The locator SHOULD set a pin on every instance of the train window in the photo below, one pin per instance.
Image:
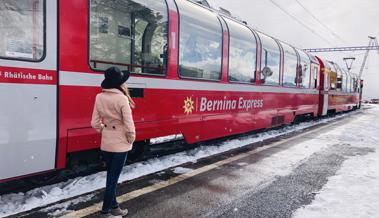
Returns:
(304, 69)
(130, 34)
(314, 72)
(242, 53)
(290, 66)
(22, 29)
(340, 87)
(349, 84)
(356, 84)
(200, 42)
(314, 80)
(344, 84)
(333, 79)
(339, 76)
(339, 82)
(270, 60)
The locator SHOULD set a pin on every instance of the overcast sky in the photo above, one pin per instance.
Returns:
(344, 23)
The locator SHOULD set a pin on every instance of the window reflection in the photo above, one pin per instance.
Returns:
(22, 29)
(270, 60)
(314, 80)
(242, 53)
(131, 34)
(304, 69)
(200, 43)
(290, 66)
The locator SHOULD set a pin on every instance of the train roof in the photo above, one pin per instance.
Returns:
(225, 13)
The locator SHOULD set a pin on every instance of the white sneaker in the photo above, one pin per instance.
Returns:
(108, 215)
(119, 212)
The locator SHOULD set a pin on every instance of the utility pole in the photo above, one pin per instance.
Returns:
(371, 43)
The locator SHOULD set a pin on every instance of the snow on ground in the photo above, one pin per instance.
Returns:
(181, 170)
(19, 202)
(62, 208)
(354, 190)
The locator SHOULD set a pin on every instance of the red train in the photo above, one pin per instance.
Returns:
(196, 72)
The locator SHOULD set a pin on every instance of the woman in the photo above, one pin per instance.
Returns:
(112, 117)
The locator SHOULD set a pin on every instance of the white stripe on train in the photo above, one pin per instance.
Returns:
(68, 78)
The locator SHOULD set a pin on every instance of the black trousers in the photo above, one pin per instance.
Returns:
(114, 163)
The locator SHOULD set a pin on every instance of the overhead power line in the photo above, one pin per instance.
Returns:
(320, 22)
(300, 22)
(352, 48)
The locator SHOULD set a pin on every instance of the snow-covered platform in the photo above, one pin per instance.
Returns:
(325, 168)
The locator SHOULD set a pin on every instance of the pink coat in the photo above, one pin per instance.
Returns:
(112, 117)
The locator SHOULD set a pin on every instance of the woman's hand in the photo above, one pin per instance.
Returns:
(131, 137)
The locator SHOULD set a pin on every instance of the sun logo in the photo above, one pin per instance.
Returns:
(188, 106)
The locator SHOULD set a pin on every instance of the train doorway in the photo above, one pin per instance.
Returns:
(28, 87)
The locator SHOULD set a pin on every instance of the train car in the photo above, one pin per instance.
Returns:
(196, 72)
(340, 90)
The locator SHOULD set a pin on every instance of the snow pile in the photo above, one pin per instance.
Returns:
(354, 190)
(166, 139)
(16, 203)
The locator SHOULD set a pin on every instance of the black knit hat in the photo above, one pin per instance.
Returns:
(114, 78)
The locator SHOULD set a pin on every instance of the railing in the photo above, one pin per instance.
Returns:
(95, 62)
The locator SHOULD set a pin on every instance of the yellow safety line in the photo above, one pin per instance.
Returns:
(134, 194)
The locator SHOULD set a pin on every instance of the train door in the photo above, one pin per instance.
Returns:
(28, 87)
(325, 94)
